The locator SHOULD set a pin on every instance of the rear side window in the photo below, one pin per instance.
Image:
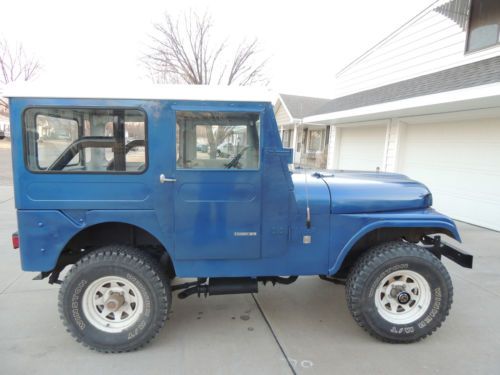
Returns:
(85, 140)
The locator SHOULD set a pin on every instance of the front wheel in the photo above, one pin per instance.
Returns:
(399, 292)
(115, 299)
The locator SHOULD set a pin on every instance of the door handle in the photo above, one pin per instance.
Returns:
(164, 179)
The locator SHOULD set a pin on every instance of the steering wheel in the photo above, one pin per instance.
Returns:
(235, 162)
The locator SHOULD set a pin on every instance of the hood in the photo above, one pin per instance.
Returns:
(312, 190)
(364, 192)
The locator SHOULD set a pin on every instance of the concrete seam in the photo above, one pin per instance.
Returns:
(274, 335)
(11, 283)
(6, 200)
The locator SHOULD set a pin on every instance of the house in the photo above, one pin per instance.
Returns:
(5, 123)
(425, 102)
(310, 143)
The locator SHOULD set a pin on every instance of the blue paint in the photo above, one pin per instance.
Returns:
(199, 218)
(375, 192)
(348, 229)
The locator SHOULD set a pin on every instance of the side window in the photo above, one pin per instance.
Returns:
(217, 140)
(286, 138)
(54, 135)
(85, 140)
(315, 140)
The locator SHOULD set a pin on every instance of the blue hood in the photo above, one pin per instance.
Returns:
(348, 192)
(357, 192)
(313, 190)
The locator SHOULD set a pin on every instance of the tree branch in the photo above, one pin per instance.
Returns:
(186, 51)
(15, 65)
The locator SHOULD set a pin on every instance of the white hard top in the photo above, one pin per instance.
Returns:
(139, 91)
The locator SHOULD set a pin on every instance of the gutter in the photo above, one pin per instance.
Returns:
(479, 97)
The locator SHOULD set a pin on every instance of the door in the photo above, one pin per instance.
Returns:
(218, 185)
(460, 163)
(362, 148)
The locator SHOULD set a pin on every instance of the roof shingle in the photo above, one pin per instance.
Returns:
(302, 106)
(475, 74)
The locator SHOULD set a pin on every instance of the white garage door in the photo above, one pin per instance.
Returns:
(361, 148)
(460, 163)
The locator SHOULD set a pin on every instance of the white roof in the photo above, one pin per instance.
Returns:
(172, 92)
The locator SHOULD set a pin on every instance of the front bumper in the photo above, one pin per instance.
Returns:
(440, 248)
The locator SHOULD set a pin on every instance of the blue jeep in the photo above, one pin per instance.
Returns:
(133, 191)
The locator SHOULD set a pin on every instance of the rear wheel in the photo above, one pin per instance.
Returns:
(115, 299)
(399, 292)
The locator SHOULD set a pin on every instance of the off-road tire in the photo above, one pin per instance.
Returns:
(387, 259)
(132, 265)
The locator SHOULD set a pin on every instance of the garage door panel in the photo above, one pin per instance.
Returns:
(362, 148)
(460, 163)
(459, 180)
(466, 155)
(462, 207)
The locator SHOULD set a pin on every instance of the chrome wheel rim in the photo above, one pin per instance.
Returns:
(402, 297)
(112, 304)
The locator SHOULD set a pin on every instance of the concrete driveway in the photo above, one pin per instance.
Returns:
(303, 328)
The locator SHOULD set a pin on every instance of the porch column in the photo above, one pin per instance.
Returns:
(294, 142)
(332, 148)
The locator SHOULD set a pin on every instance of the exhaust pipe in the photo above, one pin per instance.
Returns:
(222, 285)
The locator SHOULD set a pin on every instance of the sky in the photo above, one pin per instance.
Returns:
(102, 42)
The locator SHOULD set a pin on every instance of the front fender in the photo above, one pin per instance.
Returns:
(347, 230)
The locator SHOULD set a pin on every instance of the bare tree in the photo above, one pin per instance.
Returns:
(15, 65)
(185, 51)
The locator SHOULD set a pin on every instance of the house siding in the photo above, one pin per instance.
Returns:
(282, 117)
(433, 41)
(437, 144)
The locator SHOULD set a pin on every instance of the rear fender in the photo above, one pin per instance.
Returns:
(44, 234)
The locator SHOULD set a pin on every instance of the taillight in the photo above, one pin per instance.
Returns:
(15, 240)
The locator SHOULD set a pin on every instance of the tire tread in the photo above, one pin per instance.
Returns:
(145, 265)
(375, 257)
